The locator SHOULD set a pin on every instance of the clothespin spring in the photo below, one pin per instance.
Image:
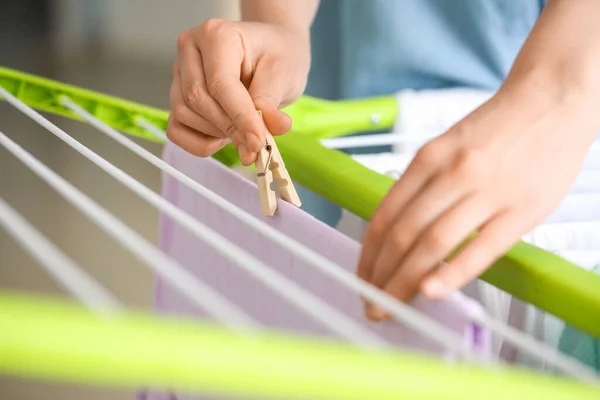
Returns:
(268, 164)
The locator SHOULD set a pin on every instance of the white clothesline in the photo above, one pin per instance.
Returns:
(70, 275)
(200, 294)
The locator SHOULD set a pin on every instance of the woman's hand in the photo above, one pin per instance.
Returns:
(500, 172)
(227, 70)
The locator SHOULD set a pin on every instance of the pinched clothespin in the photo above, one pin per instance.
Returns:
(273, 177)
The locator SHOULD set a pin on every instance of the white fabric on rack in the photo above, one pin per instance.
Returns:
(431, 112)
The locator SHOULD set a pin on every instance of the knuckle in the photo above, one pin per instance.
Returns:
(179, 112)
(455, 275)
(211, 26)
(182, 39)
(242, 116)
(203, 151)
(194, 94)
(216, 84)
(378, 226)
(427, 155)
(263, 99)
(229, 130)
(172, 133)
(467, 165)
(436, 240)
(401, 240)
(465, 159)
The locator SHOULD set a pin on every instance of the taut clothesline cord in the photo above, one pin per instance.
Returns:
(200, 294)
(287, 289)
(421, 323)
(71, 276)
(521, 340)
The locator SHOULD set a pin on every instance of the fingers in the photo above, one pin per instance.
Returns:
(225, 71)
(223, 53)
(196, 96)
(433, 200)
(195, 100)
(194, 90)
(189, 130)
(432, 247)
(193, 141)
(264, 90)
(428, 213)
(495, 239)
(192, 104)
(416, 176)
(184, 115)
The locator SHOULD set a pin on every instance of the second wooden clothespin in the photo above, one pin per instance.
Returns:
(273, 177)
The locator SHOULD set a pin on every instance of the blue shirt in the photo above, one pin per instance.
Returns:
(364, 48)
(373, 47)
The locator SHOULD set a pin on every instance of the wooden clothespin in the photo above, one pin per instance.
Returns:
(271, 175)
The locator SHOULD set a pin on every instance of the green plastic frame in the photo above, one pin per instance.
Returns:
(527, 272)
(50, 339)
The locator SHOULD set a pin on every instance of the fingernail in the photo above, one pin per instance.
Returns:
(375, 313)
(253, 143)
(369, 313)
(434, 288)
(243, 152)
(381, 314)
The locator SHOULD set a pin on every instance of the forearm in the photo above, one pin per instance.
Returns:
(560, 61)
(297, 14)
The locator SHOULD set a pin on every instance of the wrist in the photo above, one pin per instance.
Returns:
(293, 15)
(553, 93)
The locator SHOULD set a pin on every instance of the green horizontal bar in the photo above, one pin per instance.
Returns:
(120, 114)
(49, 339)
(527, 272)
(44, 95)
(326, 119)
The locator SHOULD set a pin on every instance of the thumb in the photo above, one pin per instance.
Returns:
(267, 99)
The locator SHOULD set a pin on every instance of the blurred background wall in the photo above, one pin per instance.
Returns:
(121, 47)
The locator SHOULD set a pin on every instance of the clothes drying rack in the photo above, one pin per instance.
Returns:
(103, 343)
